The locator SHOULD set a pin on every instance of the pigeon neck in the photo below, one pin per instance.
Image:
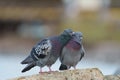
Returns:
(64, 39)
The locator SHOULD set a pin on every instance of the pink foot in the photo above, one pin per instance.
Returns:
(40, 70)
(50, 70)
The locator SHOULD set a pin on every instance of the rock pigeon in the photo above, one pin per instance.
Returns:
(47, 51)
(72, 53)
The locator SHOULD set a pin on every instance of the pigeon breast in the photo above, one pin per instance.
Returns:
(72, 45)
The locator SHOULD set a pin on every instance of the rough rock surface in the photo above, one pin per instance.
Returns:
(78, 74)
(112, 77)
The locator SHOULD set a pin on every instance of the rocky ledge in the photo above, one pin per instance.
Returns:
(78, 74)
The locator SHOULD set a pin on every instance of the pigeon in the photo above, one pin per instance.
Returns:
(47, 51)
(72, 53)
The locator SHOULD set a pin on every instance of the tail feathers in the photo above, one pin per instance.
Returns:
(28, 67)
(63, 67)
(27, 60)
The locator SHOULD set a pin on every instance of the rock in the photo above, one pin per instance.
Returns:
(78, 74)
(112, 77)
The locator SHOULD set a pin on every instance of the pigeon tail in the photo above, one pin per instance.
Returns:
(63, 67)
(27, 60)
(28, 67)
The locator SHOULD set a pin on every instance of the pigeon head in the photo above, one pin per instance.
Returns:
(78, 37)
(65, 36)
(68, 32)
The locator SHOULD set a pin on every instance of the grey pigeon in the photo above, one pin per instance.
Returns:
(47, 51)
(72, 53)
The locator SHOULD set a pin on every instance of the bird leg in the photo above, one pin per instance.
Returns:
(50, 70)
(40, 70)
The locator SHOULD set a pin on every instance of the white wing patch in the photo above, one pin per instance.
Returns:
(44, 48)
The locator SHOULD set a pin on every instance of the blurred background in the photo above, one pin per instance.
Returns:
(25, 22)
